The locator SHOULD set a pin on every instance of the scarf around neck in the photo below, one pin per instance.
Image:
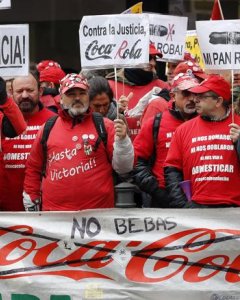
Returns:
(138, 76)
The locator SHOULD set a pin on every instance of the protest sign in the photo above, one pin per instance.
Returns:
(114, 40)
(168, 33)
(192, 46)
(5, 4)
(219, 42)
(120, 254)
(14, 50)
(135, 9)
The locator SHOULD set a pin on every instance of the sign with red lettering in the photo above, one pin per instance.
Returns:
(14, 50)
(114, 40)
(219, 42)
(108, 254)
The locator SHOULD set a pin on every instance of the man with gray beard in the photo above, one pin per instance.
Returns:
(79, 164)
(25, 93)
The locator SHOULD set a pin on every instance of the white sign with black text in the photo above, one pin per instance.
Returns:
(14, 50)
(5, 4)
(168, 33)
(219, 42)
(114, 40)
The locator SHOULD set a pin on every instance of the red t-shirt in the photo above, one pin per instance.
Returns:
(205, 153)
(14, 156)
(74, 179)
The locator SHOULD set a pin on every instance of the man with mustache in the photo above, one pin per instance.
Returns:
(25, 92)
(149, 175)
(79, 165)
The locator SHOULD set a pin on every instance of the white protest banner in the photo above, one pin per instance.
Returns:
(5, 4)
(121, 254)
(168, 33)
(114, 40)
(219, 42)
(14, 50)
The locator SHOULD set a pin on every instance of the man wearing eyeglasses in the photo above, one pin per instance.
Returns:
(150, 178)
(203, 151)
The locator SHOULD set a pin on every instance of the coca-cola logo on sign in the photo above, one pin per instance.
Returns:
(95, 51)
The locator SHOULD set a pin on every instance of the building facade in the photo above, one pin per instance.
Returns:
(54, 24)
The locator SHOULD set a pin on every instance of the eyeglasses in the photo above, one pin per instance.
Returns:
(202, 97)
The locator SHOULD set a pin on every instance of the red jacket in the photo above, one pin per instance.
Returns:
(15, 153)
(156, 106)
(138, 90)
(14, 115)
(138, 93)
(74, 180)
(144, 144)
(48, 101)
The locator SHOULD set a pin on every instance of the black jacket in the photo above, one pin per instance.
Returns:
(173, 177)
(142, 173)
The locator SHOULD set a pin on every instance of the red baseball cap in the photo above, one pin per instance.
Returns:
(47, 63)
(51, 74)
(71, 81)
(50, 71)
(184, 81)
(190, 66)
(216, 84)
(154, 51)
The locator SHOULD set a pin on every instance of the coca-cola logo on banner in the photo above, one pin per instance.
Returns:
(136, 252)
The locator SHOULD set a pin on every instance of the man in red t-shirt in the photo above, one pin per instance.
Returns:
(162, 103)
(151, 179)
(15, 151)
(203, 151)
(79, 164)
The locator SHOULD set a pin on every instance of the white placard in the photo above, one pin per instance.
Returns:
(4, 4)
(114, 40)
(220, 44)
(14, 50)
(168, 33)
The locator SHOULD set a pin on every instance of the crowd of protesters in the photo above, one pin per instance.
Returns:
(63, 136)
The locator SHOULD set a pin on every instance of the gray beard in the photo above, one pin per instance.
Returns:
(74, 112)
